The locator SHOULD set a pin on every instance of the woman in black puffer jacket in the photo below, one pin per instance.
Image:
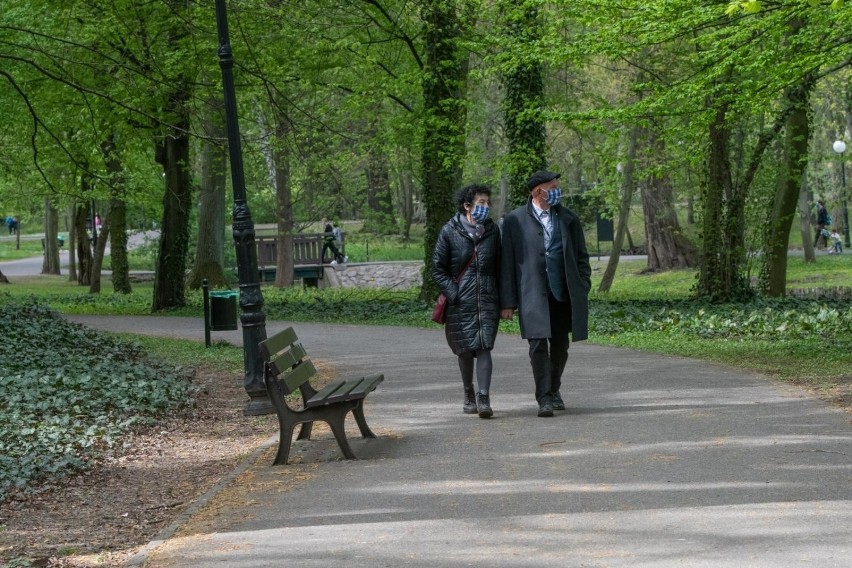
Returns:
(473, 310)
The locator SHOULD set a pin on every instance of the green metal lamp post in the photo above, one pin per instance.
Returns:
(252, 318)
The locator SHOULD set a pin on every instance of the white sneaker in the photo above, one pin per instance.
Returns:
(345, 259)
(333, 262)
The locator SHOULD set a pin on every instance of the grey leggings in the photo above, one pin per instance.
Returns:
(483, 369)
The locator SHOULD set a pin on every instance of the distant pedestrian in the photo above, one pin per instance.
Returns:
(823, 221)
(328, 243)
(466, 266)
(837, 247)
(546, 276)
(10, 223)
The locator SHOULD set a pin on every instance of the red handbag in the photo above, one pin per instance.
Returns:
(439, 312)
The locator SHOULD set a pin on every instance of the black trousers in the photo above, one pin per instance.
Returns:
(548, 356)
(331, 246)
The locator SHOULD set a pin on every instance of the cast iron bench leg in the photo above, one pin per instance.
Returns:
(336, 422)
(358, 413)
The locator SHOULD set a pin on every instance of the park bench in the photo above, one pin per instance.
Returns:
(307, 257)
(286, 370)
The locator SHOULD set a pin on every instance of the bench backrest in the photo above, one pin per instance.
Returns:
(284, 359)
(307, 249)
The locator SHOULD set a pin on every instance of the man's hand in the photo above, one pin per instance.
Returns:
(507, 313)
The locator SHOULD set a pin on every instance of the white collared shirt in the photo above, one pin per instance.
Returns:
(545, 217)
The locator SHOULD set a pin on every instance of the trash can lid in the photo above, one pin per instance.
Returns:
(224, 294)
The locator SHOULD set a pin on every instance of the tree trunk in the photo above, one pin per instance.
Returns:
(805, 225)
(51, 235)
(797, 136)
(666, 245)
(119, 263)
(444, 100)
(210, 248)
(715, 272)
(84, 242)
(525, 127)
(170, 281)
(627, 187)
(406, 201)
(172, 152)
(117, 216)
(72, 245)
(283, 201)
(100, 251)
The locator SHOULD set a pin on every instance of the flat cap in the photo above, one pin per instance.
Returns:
(539, 178)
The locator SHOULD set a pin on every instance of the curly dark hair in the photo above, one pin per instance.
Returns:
(467, 194)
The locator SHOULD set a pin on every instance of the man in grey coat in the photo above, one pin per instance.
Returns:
(546, 276)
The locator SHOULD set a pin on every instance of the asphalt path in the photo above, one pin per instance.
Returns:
(658, 461)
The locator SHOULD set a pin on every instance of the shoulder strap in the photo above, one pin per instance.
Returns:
(466, 266)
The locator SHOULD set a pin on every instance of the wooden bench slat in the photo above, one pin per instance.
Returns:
(367, 385)
(299, 375)
(352, 389)
(278, 342)
(288, 359)
(334, 392)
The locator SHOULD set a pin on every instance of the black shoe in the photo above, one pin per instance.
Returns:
(484, 406)
(469, 402)
(545, 409)
(557, 402)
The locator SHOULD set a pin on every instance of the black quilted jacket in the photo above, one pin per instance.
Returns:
(473, 309)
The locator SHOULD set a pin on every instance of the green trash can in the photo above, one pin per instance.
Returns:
(223, 311)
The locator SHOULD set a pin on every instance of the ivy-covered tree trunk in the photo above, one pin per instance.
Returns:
(445, 117)
(119, 263)
(51, 234)
(723, 252)
(169, 284)
(210, 248)
(525, 126)
(172, 152)
(797, 135)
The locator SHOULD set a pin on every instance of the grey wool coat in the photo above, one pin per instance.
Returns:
(473, 305)
(523, 281)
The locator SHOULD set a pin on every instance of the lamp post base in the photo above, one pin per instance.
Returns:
(258, 407)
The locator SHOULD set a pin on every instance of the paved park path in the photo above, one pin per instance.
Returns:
(658, 461)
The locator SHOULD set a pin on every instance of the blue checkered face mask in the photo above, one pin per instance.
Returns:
(553, 196)
(479, 213)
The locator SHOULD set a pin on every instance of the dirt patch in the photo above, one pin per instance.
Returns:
(106, 515)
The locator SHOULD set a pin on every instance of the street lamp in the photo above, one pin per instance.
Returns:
(252, 318)
(839, 146)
